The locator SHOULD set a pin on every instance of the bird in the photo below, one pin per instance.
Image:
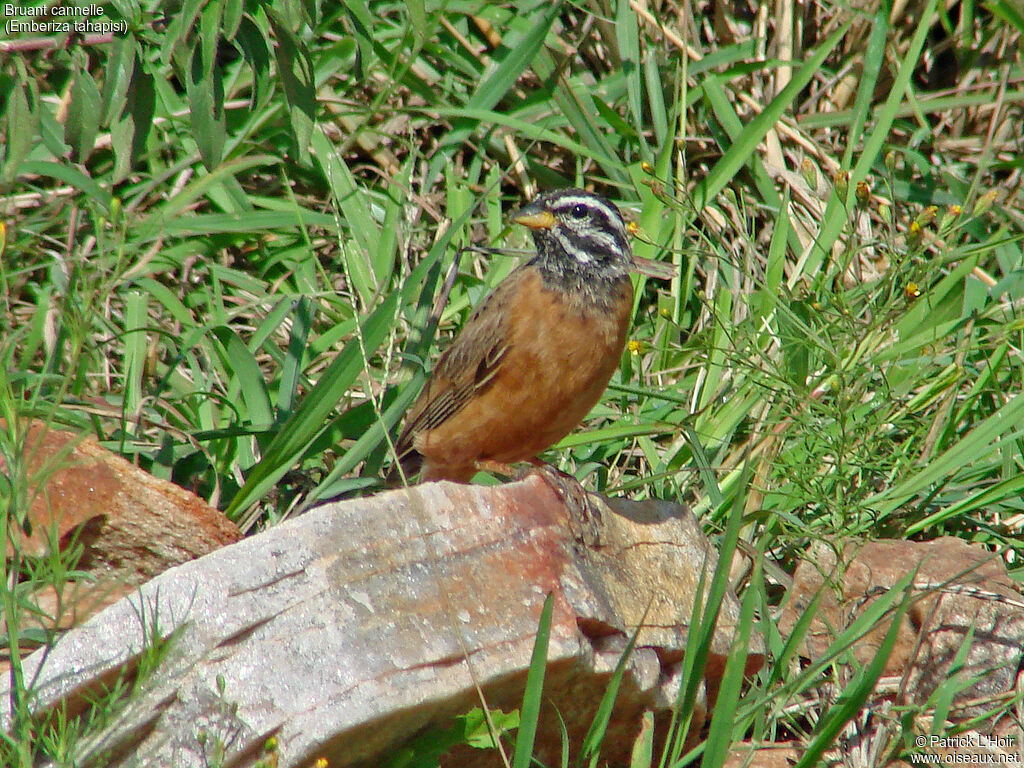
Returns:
(537, 353)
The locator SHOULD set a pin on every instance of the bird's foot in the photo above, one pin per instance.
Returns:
(584, 517)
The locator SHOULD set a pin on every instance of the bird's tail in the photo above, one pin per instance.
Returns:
(410, 462)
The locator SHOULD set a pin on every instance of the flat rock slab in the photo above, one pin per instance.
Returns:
(353, 628)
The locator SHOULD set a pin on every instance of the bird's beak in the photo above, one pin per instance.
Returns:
(658, 269)
(534, 217)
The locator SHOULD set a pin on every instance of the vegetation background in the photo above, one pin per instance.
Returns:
(225, 230)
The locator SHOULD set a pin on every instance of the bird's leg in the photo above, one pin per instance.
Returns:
(564, 484)
(495, 467)
(583, 516)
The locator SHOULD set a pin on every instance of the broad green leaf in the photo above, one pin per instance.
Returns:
(131, 128)
(256, 49)
(205, 89)
(127, 9)
(22, 119)
(83, 119)
(232, 18)
(119, 74)
(418, 19)
(296, 72)
(182, 25)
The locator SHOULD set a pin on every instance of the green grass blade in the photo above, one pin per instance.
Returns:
(704, 619)
(738, 154)
(986, 437)
(529, 715)
(520, 50)
(310, 418)
(69, 175)
(361, 226)
(723, 718)
(291, 368)
(591, 751)
(627, 34)
(136, 322)
(642, 754)
(371, 438)
(1010, 488)
(873, 58)
(852, 699)
(247, 376)
(835, 217)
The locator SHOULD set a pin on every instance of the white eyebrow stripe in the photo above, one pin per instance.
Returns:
(567, 201)
(612, 214)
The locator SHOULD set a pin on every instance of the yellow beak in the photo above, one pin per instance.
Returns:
(538, 220)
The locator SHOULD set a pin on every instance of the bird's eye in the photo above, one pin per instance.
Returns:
(578, 211)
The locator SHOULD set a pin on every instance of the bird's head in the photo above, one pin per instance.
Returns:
(582, 234)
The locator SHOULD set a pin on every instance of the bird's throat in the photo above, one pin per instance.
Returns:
(589, 290)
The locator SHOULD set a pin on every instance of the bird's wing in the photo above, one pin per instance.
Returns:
(466, 368)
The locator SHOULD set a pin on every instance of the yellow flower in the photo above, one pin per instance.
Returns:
(863, 193)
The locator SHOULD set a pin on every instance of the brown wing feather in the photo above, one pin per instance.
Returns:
(468, 366)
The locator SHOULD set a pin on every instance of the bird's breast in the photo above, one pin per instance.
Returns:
(560, 349)
(563, 350)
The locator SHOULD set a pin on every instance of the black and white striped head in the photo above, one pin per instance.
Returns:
(578, 235)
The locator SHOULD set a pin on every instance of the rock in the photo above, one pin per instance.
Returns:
(350, 630)
(783, 754)
(131, 526)
(958, 588)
